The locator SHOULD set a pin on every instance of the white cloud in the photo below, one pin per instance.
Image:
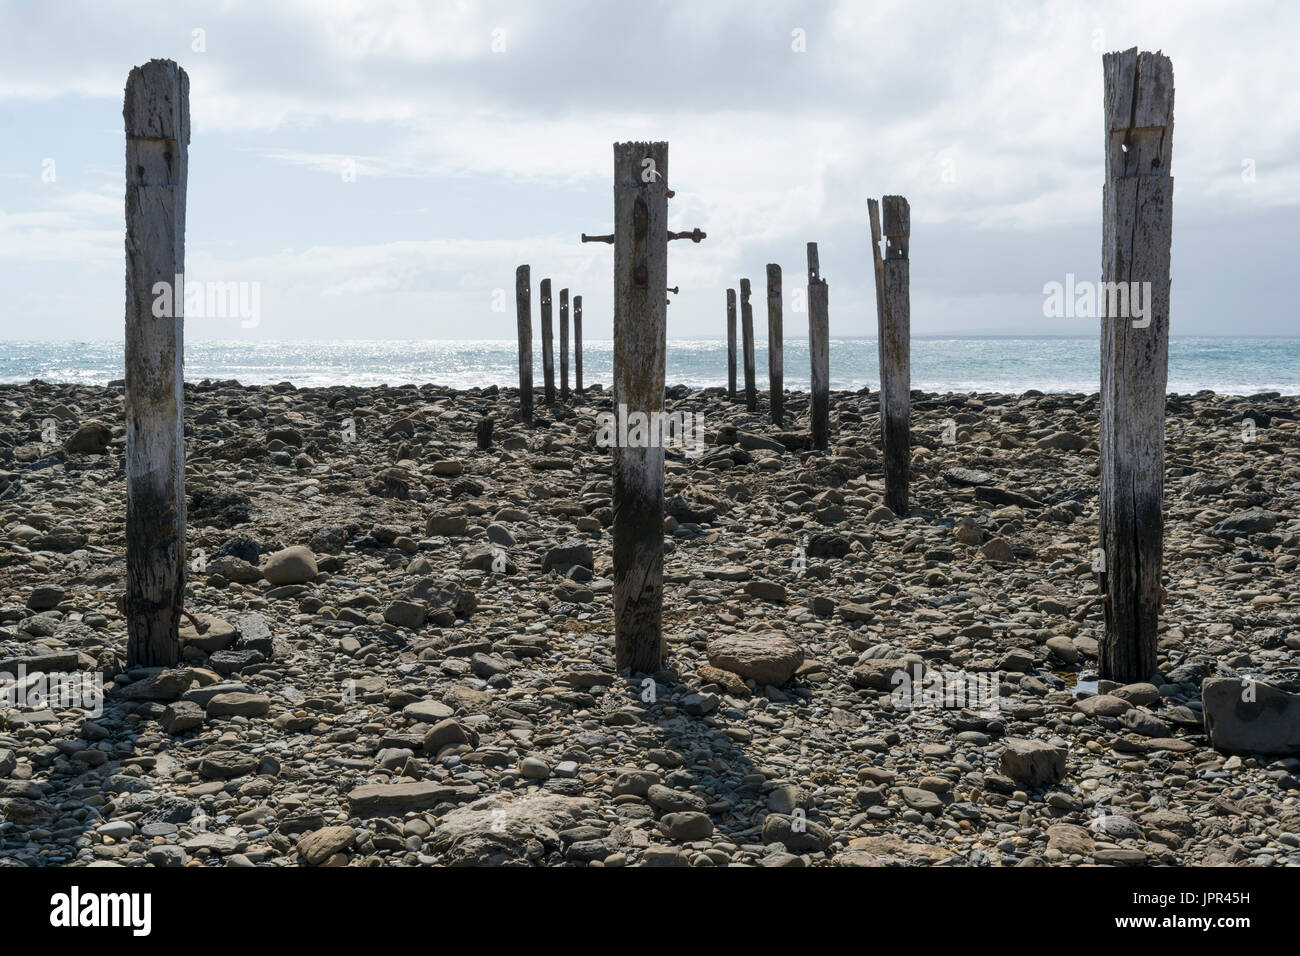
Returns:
(987, 116)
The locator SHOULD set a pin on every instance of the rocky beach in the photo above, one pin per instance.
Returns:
(402, 646)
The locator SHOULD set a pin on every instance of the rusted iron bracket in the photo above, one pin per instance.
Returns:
(640, 223)
(695, 235)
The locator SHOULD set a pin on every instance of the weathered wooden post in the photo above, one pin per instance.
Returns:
(548, 346)
(156, 112)
(894, 326)
(640, 240)
(819, 351)
(1137, 228)
(640, 323)
(577, 344)
(775, 345)
(731, 345)
(747, 335)
(564, 344)
(524, 322)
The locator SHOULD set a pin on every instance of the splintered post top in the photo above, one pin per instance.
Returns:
(157, 102)
(898, 216)
(648, 160)
(896, 225)
(1139, 107)
(814, 265)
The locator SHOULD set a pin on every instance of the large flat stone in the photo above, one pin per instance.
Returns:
(1250, 717)
(1032, 762)
(767, 657)
(219, 636)
(499, 829)
(239, 704)
(395, 799)
(317, 847)
(201, 695)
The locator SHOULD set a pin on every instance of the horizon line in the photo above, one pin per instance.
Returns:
(973, 336)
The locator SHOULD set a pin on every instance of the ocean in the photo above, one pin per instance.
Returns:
(1229, 366)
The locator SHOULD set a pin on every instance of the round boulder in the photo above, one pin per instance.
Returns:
(293, 565)
(92, 438)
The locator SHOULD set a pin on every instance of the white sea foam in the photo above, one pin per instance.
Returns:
(1008, 365)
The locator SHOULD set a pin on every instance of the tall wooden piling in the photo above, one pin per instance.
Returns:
(819, 350)
(1137, 227)
(577, 344)
(640, 318)
(156, 112)
(731, 345)
(548, 346)
(747, 335)
(775, 345)
(895, 346)
(524, 323)
(564, 344)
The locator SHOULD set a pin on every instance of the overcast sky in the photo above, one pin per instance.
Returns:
(480, 135)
